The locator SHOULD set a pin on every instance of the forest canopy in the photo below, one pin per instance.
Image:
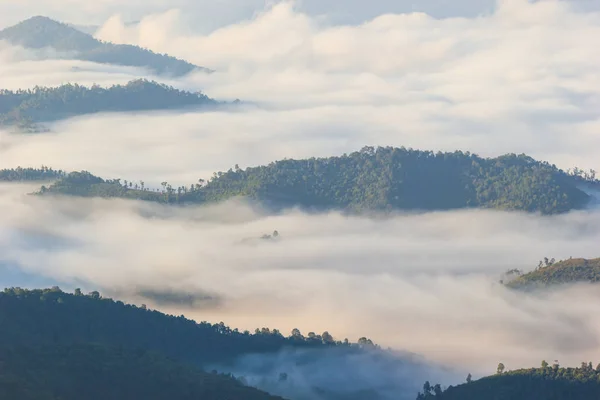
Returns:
(26, 107)
(372, 179)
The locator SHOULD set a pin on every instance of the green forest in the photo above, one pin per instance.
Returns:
(545, 383)
(30, 174)
(26, 107)
(96, 372)
(550, 273)
(55, 344)
(372, 179)
(41, 32)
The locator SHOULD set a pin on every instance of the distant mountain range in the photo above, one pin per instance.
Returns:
(42, 32)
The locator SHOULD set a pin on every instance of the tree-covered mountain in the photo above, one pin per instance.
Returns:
(549, 273)
(42, 32)
(546, 383)
(54, 317)
(382, 179)
(95, 372)
(61, 332)
(26, 107)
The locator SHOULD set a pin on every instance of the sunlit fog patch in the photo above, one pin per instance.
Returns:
(427, 283)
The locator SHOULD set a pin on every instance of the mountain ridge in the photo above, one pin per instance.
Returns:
(40, 32)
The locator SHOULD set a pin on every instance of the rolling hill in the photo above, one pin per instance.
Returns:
(382, 179)
(25, 108)
(42, 32)
(575, 270)
(546, 383)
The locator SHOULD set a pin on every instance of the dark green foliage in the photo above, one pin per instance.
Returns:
(550, 383)
(95, 372)
(53, 317)
(40, 32)
(30, 174)
(555, 273)
(47, 104)
(382, 179)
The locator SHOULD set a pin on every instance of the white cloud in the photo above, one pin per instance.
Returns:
(426, 283)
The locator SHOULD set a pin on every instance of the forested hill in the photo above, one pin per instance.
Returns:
(381, 179)
(54, 317)
(547, 383)
(95, 372)
(551, 273)
(23, 107)
(41, 32)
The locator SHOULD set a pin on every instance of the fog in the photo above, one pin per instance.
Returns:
(520, 79)
(426, 283)
(321, 79)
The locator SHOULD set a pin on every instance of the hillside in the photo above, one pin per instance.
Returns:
(57, 322)
(563, 272)
(548, 383)
(382, 179)
(64, 319)
(41, 32)
(26, 107)
(94, 372)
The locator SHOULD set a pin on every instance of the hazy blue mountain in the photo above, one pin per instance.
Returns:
(42, 32)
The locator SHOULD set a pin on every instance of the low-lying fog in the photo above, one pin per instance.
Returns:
(425, 283)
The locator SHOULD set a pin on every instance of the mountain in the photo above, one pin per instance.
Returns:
(42, 32)
(546, 383)
(95, 372)
(574, 270)
(382, 179)
(47, 336)
(26, 107)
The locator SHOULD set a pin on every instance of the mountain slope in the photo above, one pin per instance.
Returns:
(41, 32)
(549, 383)
(382, 179)
(94, 372)
(53, 317)
(27, 107)
(574, 270)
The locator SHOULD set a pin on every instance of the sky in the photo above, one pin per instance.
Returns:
(321, 79)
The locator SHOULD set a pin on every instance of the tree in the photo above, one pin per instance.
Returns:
(544, 364)
(78, 292)
(437, 389)
(500, 368)
(427, 387)
(469, 378)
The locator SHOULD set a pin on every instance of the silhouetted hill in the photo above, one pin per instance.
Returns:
(574, 270)
(549, 383)
(30, 174)
(95, 372)
(382, 179)
(54, 317)
(41, 32)
(27, 107)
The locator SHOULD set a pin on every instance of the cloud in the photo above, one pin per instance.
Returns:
(519, 80)
(426, 283)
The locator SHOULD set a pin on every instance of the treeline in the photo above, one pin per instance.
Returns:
(545, 383)
(42, 32)
(550, 272)
(372, 179)
(23, 107)
(62, 318)
(30, 174)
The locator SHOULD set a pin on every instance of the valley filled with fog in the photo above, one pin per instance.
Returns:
(318, 79)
